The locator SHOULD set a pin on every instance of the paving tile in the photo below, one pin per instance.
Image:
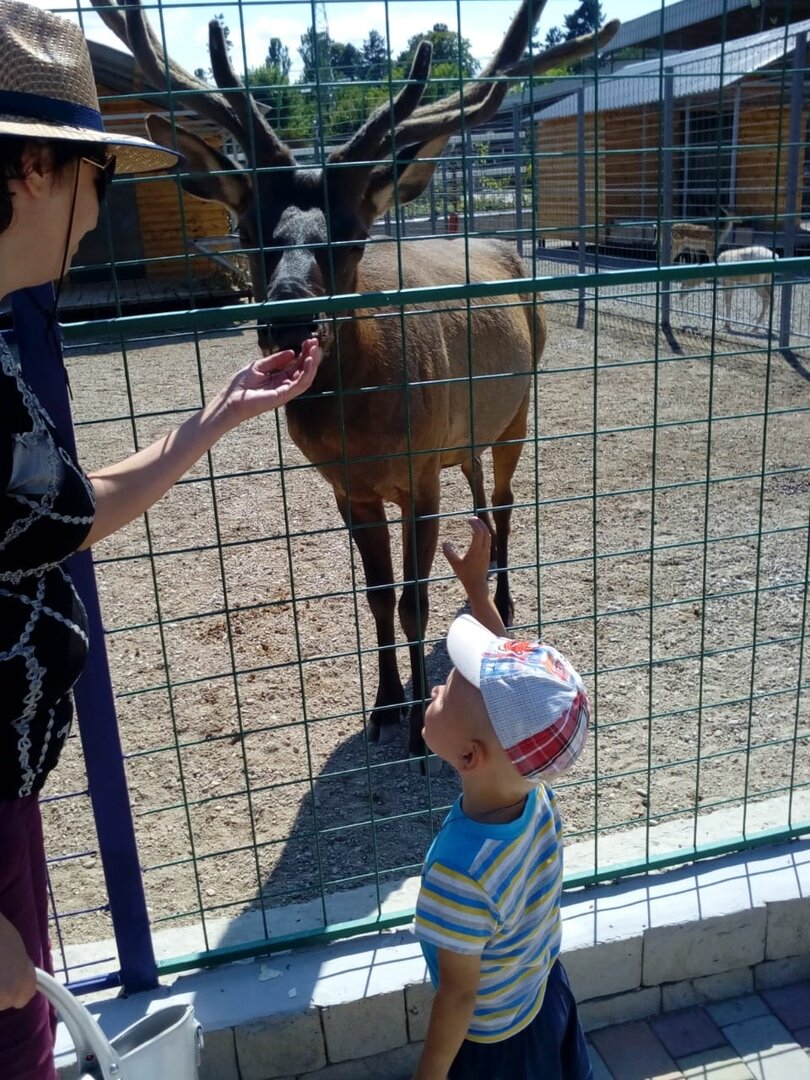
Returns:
(600, 1069)
(721, 1063)
(688, 1031)
(768, 1049)
(736, 1010)
(632, 1052)
(791, 1004)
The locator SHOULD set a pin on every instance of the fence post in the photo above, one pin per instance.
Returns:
(518, 178)
(665, 230)
(792, 186)
(581, 199)
(42, 364)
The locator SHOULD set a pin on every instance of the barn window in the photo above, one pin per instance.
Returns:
(705, 168)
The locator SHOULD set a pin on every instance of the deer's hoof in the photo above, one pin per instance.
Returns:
(387, 733)
(419, 765)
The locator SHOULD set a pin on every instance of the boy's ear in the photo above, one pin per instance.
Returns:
(473, 757)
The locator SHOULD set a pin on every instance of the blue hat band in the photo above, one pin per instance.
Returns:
(38, 107)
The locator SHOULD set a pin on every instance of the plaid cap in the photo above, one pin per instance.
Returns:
(536, 701)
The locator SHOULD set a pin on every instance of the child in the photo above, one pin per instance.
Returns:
(488, 915)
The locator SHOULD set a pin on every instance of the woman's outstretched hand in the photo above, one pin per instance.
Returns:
(271, 382)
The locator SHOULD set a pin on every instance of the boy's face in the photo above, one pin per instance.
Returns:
(453, 718)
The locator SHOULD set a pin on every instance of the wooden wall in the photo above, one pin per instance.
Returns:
(629, 171)
(762, 169)
(159, 201)
(557, 166)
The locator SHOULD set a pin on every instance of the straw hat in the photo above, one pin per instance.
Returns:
(47, 89)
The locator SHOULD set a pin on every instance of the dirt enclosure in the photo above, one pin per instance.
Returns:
(242, 660)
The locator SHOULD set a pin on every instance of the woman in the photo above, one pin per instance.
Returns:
(55, 162)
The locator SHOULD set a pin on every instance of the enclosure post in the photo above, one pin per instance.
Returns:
(792, 186)
(433, 214)
(469, 168)
(735, 139)
(581, 201)
(687, 142)
(518, 178)
(42, 364)
(665, 222)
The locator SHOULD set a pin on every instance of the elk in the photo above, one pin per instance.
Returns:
(690, 236)
(400, 396)
(762, 282)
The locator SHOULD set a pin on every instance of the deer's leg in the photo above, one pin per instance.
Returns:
(420, 528)
(474, 474)
(505, 456)
(369, 530)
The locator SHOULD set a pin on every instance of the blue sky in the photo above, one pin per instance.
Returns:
(482, 21)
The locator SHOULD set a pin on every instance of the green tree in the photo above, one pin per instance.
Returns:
(315, 53)
(374, 53)
(278, 58)
(586, 19)
(555, 36)
(448, 48)
(347, 61)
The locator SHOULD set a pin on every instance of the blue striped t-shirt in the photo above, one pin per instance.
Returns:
(495, 890)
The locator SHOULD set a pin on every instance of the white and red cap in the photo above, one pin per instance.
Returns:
(536, 701)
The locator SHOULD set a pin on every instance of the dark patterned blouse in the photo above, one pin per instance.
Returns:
(46, 510)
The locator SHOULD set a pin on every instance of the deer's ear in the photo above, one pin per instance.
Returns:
(231, 187)
(405, 181)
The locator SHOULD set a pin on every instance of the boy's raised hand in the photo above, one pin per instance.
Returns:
(472, 567)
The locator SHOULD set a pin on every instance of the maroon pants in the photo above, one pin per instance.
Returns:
(27, 1034)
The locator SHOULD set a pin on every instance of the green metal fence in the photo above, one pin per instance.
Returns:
(661, 528)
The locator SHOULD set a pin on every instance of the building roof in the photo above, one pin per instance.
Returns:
(701, 71)
(694, 24)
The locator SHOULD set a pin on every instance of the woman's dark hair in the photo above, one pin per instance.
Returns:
(61, 154)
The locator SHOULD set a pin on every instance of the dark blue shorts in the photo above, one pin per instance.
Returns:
(552, 1047)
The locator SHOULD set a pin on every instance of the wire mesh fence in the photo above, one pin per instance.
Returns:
(660, 532)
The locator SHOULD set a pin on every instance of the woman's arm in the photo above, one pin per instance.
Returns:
(125, 491)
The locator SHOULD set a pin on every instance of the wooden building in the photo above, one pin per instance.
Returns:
(731, 113)
(151, 228)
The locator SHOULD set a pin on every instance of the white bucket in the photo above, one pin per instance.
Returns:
(164, 1044)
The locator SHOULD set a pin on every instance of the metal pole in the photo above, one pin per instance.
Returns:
(792, 186)
(687, 142)
(735, 140)
(668, 135)
(470, 170)
(518, 159)
(582, 209)
(43, 367)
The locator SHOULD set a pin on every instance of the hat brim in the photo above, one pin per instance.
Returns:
(133, 154)
(467, 643)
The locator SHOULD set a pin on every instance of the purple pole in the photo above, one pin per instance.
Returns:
(42, 364)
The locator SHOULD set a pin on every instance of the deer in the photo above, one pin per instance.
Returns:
(398, 397)
(690, 236)
(762, 282)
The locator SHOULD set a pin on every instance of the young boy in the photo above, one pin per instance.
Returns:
(511, 714)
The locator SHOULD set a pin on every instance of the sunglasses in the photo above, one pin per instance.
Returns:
(106, 171)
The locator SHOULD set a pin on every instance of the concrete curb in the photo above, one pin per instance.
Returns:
(358, 1009)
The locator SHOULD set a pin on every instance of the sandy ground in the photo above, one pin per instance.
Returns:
(241, 711)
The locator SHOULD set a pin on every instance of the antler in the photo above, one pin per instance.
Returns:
(480, 100)
(237, 113)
